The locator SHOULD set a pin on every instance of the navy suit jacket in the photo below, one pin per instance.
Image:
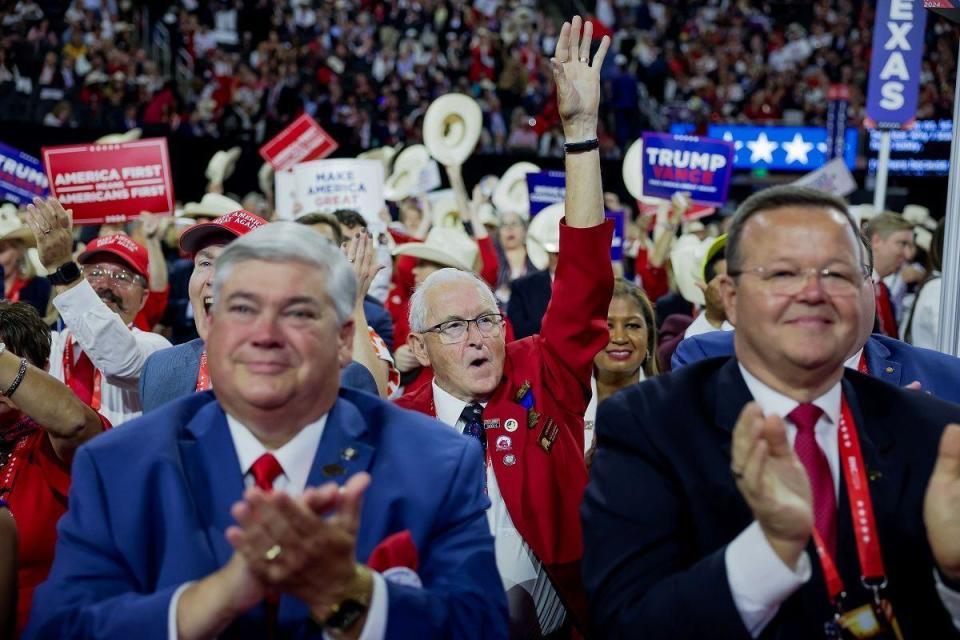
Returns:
(171, 373)
(662, 506)
(529, 297)
(150, 503)
(888, 359)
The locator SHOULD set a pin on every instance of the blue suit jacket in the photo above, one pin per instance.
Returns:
(171, 373)
(662, 506)
(150, 503)
(888, 359)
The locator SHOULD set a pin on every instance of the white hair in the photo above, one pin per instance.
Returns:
(418, 302)
(292, 242)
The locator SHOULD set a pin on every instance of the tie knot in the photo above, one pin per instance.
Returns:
(805, 416)
(265, 470)
(473, 412)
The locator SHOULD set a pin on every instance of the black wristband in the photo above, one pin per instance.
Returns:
(580, 147)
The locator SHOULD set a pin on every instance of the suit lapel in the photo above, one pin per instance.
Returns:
(729, 397)
(879, 362)
(213, 473)
(343, 449)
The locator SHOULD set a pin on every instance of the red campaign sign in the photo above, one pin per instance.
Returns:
(303, 140)
(106, 183)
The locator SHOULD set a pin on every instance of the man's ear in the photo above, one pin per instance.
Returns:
(728, 293)
(143, 301)
(419, 348)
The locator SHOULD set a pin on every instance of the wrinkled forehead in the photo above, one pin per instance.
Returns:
(457, 300)
(800, 234)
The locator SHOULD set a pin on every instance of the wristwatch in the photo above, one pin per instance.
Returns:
(355, 603)
(67, 273)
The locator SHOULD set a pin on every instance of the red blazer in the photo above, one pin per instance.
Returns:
(543, 488)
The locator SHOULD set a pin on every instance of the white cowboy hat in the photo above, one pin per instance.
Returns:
(407, 167)
(863, 212)
(444, 209)
(451, 128)
(446, 246)
(222, 164)
(383, 154)
(543, 235)
(13, 228)
(116, 138)
(923, 238)
(687, 256)
(919, 216)
(511, 193)
(212, 205)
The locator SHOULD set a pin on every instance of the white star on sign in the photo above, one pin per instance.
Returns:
(762, 149)
(797, 150)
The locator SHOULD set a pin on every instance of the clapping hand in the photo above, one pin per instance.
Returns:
(53, 228)
(578, 81)
(941, 507)
(773, 481)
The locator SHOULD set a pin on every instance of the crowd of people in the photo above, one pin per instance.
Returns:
(472, 424)
(369, 72)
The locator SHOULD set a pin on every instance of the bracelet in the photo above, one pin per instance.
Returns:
(580, 147)
(16, 381)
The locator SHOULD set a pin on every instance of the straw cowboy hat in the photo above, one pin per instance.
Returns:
(863, 212)
(511, 193)
(687, 257)
(446, 246)
(13, 228)
(384, 154)
(116, 138)
(407, 167)
(451, 128)
(222, 164)
(543, 235)
(212, 205)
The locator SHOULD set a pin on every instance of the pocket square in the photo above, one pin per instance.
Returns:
(396, 558)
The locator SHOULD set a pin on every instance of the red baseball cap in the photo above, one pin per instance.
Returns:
(236, 224)
(122, 246)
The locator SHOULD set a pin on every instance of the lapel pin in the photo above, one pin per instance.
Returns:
(509, 460)
(492, 423)
(504, 443)
(548, 435)
(332, 470)
(889, 369)
(532, 418)
(872, 476)
(523, 390)
(510, 425)
(349, 453)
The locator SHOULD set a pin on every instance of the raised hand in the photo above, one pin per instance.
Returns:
(941, 507)
(773, 481)
(363, 258)
(53, 229)
(578, 81)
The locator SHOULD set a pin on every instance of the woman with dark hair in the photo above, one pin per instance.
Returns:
(511, 253)
(923, 327)
(630, 355)
(42, 423)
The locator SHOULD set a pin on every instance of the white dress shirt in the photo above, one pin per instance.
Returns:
(118, 352)
(759, 580)
(295, 458)
(516, 562)
(701, 325)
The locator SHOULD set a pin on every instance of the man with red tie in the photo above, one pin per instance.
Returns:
(775, 494)
(100, 354)
(891, 238)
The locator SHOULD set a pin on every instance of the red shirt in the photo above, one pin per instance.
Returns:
(152, 312)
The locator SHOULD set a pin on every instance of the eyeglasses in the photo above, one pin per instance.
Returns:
(789, 282)
(120, 277)
(454, 331)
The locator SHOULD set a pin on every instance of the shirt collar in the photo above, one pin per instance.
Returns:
(447, 406)
(295, 457)
(774, 402)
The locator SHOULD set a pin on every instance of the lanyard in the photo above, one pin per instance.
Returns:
(203, 376)
(873, 574)
(68, 374)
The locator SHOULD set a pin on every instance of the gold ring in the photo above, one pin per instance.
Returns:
(273, 553)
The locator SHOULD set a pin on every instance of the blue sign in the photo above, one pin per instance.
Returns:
(619, 233)
(895, 65)
(21, 176)
(800, 149)
(700, 166)
(545, 188)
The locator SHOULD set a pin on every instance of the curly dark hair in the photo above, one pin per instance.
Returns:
(24, 332)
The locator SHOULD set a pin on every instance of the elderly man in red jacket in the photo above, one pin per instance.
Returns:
(524, 401)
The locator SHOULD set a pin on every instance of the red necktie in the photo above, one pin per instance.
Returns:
(81, 378)
(888, 324)
(265, 470)
(805, 417)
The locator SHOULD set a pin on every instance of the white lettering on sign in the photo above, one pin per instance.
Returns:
(895, 73)
(686, 159)
(22, 171)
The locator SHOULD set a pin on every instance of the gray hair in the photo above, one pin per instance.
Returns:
(291, 242)
(418, 302)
